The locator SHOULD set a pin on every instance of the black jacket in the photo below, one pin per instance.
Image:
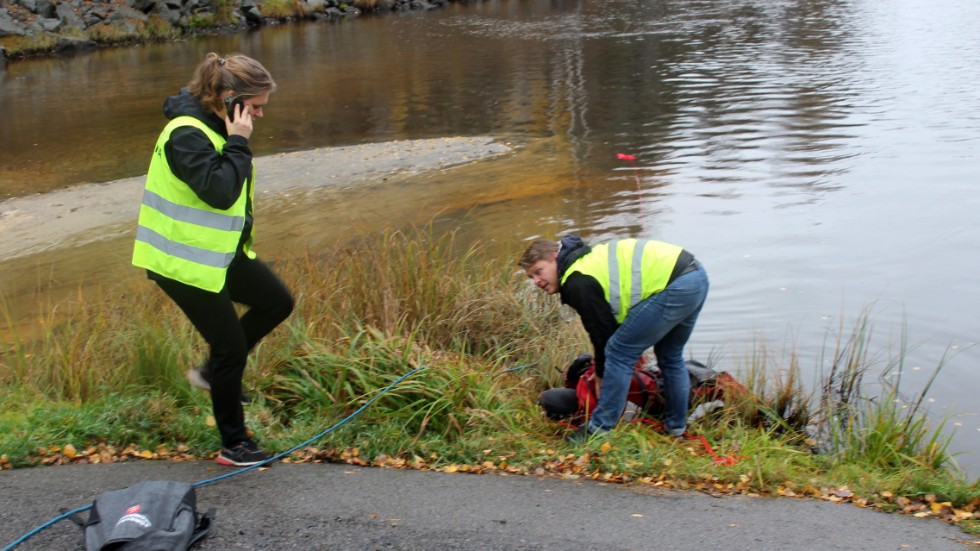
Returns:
(584, 294)
(216, 178)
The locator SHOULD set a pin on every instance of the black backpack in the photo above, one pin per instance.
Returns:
(576, 369)
(156, 515)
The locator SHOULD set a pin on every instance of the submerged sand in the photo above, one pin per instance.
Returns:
(89, 212)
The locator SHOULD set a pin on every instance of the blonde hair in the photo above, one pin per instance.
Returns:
(243, 75)
(540, 249)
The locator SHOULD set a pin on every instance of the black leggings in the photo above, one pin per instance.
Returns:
(249, 282)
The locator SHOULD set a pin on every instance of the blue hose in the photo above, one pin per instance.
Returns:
(335, 426)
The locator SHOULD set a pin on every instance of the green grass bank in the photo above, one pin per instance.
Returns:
(105, 383)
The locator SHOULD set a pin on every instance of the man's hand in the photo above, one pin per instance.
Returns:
(597, 382)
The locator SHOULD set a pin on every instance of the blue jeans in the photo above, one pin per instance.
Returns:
(664, 321)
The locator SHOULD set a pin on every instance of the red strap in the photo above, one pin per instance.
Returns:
(729, 459)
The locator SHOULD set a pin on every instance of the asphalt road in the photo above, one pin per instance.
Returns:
(339, 507)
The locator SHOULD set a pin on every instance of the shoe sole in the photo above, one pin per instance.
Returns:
(194, 378)
(222, 460)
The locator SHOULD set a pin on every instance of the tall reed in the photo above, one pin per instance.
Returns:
(876, 425)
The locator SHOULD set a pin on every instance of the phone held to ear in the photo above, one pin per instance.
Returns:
(230, 103)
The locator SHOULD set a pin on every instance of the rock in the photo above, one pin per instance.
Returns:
(252, 15)
(68, 16)
(128, 26)
(46, 24)
(167, 14)
(94, 15)
(45, 8)
(9, 27)
(127, 13)
(30, 5)
(145, 6)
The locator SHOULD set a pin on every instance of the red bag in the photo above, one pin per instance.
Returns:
(644, 390)
(706, 385)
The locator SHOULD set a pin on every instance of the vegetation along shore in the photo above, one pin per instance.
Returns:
(46, 27)
(105, 383)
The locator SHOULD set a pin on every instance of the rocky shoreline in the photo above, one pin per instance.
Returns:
(57, 27)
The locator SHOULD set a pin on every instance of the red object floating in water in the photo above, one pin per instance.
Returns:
(625, 157)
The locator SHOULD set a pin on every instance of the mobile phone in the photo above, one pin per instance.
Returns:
(230, 103)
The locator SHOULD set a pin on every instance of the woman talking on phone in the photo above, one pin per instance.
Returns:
(194, 236)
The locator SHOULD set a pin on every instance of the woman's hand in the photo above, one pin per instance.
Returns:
(242, 125)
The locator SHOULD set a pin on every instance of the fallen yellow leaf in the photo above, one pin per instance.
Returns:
(962, 515)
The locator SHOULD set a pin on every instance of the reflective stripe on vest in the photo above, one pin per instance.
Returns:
(191, 215)
(187, 252)
(635, 280)
(181, 237)
(628, 270)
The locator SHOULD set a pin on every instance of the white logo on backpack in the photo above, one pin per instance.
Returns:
(137, 518)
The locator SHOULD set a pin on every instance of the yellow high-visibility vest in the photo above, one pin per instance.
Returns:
(628, 270)
(181, 237)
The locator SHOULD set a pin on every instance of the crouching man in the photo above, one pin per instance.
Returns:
(631, 294)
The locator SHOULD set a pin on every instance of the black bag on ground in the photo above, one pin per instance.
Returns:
(156, 515)
(576, 369)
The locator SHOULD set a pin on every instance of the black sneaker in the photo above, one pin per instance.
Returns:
(242, 454)
(201, 378)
